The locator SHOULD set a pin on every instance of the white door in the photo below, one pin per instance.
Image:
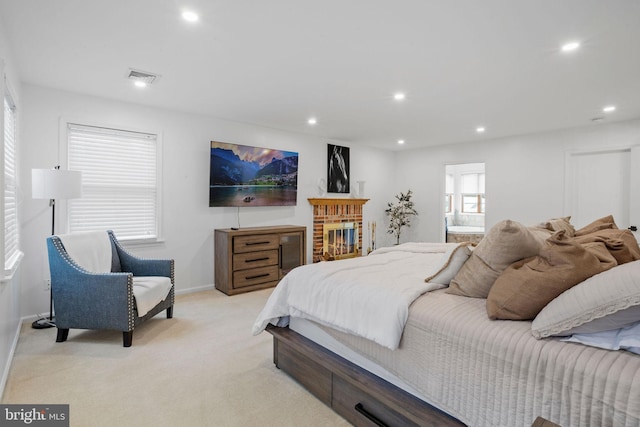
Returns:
(603, 182)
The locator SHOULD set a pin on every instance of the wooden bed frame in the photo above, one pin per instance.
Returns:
(359, 396)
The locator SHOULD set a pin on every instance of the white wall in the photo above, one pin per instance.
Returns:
(9, 290)
(524, 174)
(188, 222)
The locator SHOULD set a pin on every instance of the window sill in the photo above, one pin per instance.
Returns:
(10, 272)
(142, 242)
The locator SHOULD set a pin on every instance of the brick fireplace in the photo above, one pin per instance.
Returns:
(339, 220)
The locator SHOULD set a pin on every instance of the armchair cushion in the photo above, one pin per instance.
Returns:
(149, 291)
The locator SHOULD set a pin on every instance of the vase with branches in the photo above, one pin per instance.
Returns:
(400, 213)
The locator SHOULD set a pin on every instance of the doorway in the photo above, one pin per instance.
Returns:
(464, 202)
(603, 182)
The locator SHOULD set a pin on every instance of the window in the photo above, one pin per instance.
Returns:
(473, 200)
(11, 224)
(120, 172)
(448, 203)
(473, 203)
(448, 193)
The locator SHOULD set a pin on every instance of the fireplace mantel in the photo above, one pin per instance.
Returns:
(329, 201)
(327, 210)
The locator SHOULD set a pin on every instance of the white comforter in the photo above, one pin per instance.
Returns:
(365, 296)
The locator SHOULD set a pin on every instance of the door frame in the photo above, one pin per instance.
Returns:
(634, 185)
(443, 189)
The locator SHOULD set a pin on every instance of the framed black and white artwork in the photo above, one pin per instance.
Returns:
(337, 169)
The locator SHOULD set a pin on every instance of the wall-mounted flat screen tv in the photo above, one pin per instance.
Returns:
(242, 175)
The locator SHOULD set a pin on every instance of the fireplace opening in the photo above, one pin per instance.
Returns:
(340, 240)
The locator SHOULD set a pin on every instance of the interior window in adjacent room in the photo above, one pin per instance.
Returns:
(449, 192)
(120, 176)
(473, 200)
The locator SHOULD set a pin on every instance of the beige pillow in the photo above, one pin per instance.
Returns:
(599, 224)
(560, 224)
(526, 286)
(606, 301)
(506, 242)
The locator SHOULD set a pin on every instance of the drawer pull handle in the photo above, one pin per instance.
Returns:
(257, 243)
(257, 259)
(256, 277)
(360, 408)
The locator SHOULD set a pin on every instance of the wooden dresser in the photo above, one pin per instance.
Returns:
(255, 258)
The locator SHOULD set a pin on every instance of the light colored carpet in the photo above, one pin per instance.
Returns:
(201, 368)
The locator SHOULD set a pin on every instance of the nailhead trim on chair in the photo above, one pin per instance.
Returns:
(131, 304)
(63, 252)
(173, 294)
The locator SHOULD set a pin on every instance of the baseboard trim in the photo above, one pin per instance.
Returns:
(7, 367)
(194, 290)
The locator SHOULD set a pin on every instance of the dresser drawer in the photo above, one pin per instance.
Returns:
(242, 244)
(361, 409)
(255, 276)
(255, 259)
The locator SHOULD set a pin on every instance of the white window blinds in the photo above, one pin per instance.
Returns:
(119, 181)
(11, 228)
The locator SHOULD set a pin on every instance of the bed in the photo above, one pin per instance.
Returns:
(467, 353)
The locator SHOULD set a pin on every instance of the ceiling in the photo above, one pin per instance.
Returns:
(276, 63)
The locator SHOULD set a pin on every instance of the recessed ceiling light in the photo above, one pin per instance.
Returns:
(190, 16)
(399, 96)
(571, 46)
(480, 129)
(401, 141)
(312, 121)
(609, 108)
(140, 83)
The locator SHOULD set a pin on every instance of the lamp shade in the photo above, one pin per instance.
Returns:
(55, 184)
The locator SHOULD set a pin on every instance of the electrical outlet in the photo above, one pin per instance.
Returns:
(47, 284)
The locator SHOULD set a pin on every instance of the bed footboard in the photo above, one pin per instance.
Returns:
(360, 397)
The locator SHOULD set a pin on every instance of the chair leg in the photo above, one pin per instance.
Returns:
(170, 312)
(127, 338)
(63, 334)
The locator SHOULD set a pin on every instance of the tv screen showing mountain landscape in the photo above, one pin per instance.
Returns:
(242, 175)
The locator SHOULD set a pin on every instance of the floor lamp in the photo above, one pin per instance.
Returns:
(54, 184)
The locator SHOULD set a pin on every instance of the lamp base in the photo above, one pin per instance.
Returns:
(44, 323)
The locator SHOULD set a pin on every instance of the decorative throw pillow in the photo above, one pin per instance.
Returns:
(506, 242)
(526, 286)
(540, 234)
(606, 301)
(621, 243)
(452, 261)
(599, 224)
(560, 224)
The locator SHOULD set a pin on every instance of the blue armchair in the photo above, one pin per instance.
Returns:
(97, 284)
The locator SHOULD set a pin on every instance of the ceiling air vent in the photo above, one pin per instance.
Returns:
(143, 77)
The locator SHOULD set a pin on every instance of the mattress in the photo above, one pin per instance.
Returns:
(493, 372)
